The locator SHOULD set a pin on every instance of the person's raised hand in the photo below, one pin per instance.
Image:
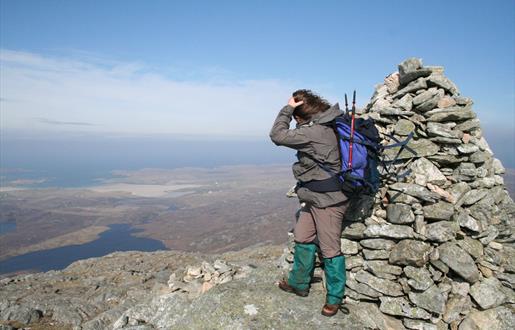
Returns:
(293, 103)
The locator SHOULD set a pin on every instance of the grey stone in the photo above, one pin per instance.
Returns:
(422, 147)
(487, 182)
(456, 113)
(446, 102)
(445, 140)
(459, 261)
(375, 254)
(424, 171)
(438, 129)
(498, 167)
(372, 318)
(410, 252)
(404, 127)
(401, 307)
(458, 190)
(482, 213)
(432, 299)
(362, 288)
(488, 293)
(380, 266)
(399, 213)
(377, 244)
(447, 159)
(443, 82)
(416, 191)
(389, 231)
(420, 225)
(419, 325)
(466, 221)
(349, 247)
(413, 86)
(410, 76)
(468, 125)
(409, 65)
(354, 231)
(462, 100)
(392, 83)
(431, 103)
(439, 211)
(499, 318)
(384, 286)
(441, 231)
(467, 149)
(419, 277)
(399, 197)
(440, 266)
(483, 145)
(391, 111)
(479, 157)
(424, 96)
(456, 306)
(472, 197)
(22, 314)
(472, 246)
(353, 262)
(405, 103)
(509, 253)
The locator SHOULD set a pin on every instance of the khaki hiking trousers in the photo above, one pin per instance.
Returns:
(324, 224)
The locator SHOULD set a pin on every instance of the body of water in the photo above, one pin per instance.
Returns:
(6, 227)
(79, 162)
(118, 238)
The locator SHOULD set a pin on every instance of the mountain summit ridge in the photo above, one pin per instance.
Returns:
(438, 252)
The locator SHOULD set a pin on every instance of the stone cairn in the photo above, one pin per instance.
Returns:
(438, 251)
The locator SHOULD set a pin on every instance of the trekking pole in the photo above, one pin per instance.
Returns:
(352, 128)
(346, 105)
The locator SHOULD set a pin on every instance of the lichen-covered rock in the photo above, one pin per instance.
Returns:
(399, 213)
(389, 231)
(439, 211)
(459, 261)
(384, 286)
(441, 231)
(401, 307)
(419, 278)
(432, 299)
(488, 293)
(411, 253)
(499, 318)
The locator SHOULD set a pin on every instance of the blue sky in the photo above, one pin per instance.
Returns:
(226, 67)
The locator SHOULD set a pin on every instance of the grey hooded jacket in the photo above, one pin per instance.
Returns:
(311, 140)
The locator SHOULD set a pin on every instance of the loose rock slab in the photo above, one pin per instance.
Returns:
(459, 261)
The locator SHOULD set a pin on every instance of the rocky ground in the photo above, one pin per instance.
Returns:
(136, 290)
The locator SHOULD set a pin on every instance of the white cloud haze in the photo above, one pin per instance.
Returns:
(50, 93)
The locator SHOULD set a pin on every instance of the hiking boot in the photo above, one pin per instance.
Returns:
(331, 309)
(283, 285)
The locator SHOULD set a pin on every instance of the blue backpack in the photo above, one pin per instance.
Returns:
(360, 151)
(359, 155)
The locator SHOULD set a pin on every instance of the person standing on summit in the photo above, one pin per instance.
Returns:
(321, 218)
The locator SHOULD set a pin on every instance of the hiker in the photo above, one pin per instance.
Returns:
(320, 220)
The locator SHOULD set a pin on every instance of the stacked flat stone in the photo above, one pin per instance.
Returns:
(438, 251)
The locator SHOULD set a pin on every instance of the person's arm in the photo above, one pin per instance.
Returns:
(282, 135)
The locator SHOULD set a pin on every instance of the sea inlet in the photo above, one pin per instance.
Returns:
(118, 238)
